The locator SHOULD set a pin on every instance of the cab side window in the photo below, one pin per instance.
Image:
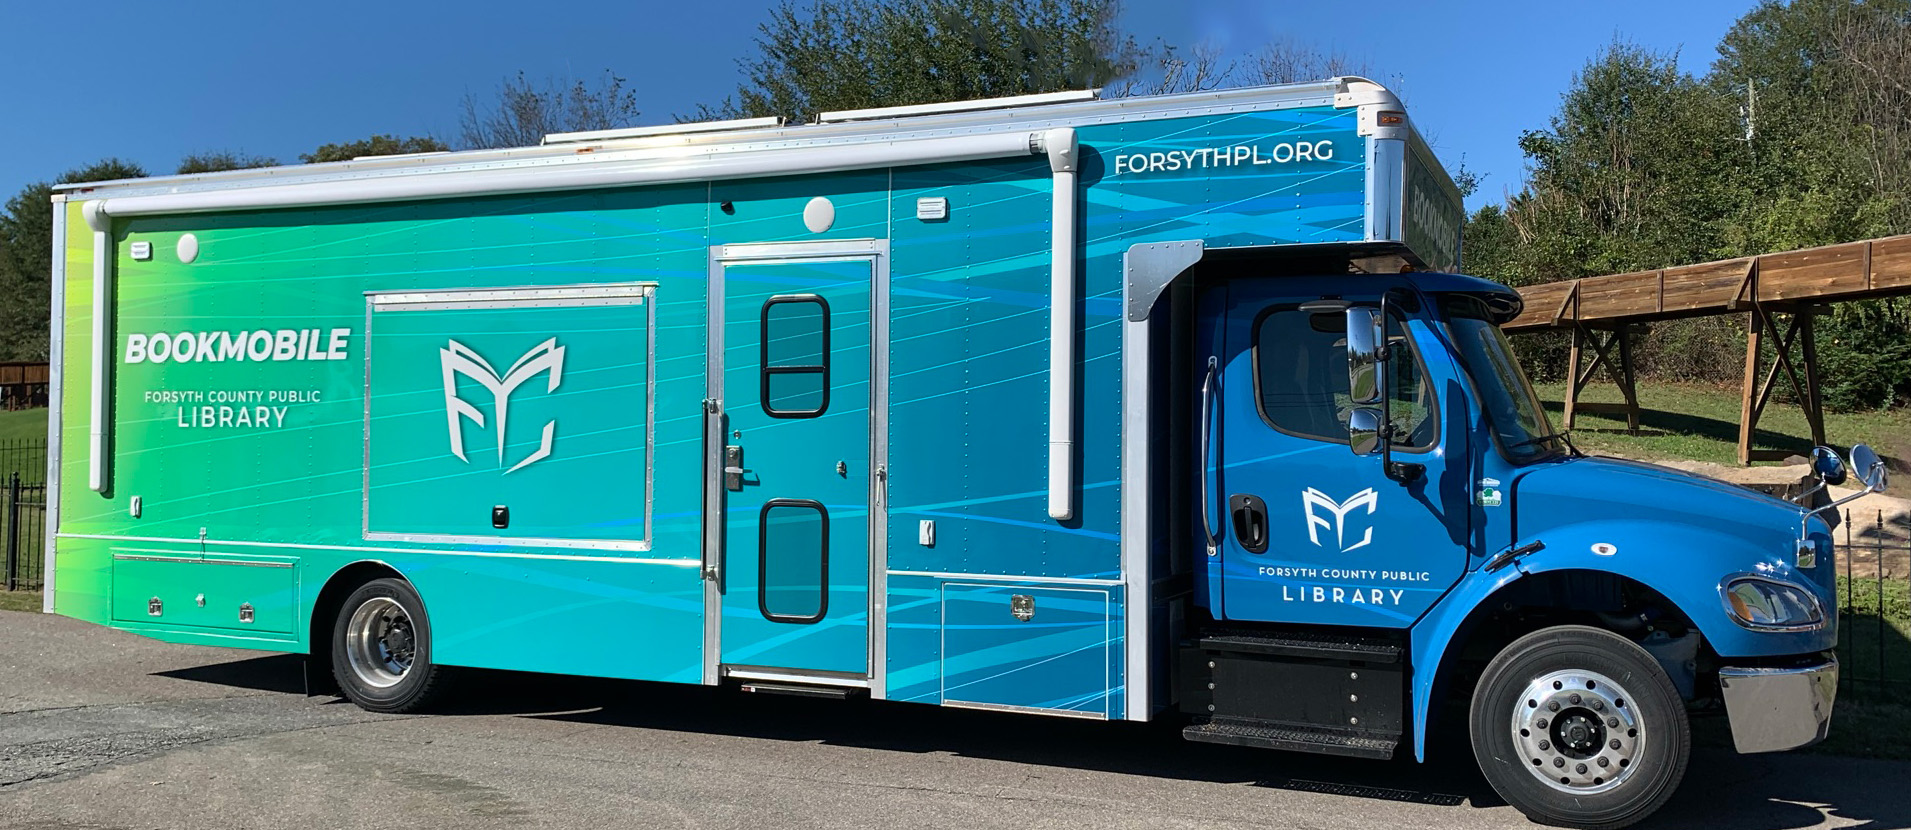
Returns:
(1300, 360)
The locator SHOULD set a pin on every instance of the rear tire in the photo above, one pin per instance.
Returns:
(1579, 727)
(381, 649)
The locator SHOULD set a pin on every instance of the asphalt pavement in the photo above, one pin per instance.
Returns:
(100, 729)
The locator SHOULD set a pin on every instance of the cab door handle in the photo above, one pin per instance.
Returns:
(1250, 522)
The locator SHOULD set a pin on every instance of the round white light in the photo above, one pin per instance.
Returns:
(188, 247)
(819, 215)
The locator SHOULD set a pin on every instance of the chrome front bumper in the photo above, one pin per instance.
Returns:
(1773, 710)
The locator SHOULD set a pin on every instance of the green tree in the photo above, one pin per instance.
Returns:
(827, 55)
(26, 258)
(523, 113)
(377, 145)
(1634, 171)
(217, 160)
(1799, 135)
(1826, 121)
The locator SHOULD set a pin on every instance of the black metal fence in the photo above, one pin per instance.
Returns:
(24, 514)
(26, 456)
(1874, 599)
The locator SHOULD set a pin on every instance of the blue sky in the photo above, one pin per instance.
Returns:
(152, 82)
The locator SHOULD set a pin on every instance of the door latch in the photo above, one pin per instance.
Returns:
(1250, 521)
(733, 467)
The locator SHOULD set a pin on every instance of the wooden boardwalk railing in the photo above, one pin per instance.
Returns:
(1602, 314)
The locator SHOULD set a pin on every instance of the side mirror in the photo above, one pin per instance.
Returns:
(1869, 468)
(1363, 357)
(1827, 465)
(1363, 430)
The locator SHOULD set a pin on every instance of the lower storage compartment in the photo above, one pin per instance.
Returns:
(1038, 649)
(248, 594)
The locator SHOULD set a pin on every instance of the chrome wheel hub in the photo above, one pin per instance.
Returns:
(379, 642)
(1578, 731)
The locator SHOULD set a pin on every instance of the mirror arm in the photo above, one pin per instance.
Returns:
(1804, 522)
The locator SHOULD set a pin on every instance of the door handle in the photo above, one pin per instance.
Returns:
(1250, 521)
(713, 512)
(733, 468)
(1207, 428)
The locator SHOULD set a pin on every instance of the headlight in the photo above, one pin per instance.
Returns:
(1758, 602)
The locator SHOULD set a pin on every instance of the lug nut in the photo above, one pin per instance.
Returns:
(1574, 697)
(1614, 744)
(1581, 769)
(1552, 706)
(1599, 705)
(1603, 761)
(1612, 722)
(1541, 724)
(1559, 762)
(1545, 744)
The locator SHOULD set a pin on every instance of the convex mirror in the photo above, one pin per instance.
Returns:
(1827, 465)
(1869, 468)
(1363, 430)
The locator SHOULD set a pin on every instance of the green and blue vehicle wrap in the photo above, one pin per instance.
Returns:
(535, 405)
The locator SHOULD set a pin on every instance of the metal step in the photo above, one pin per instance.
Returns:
(1292, 738)
(799, 690)
(1321, 645)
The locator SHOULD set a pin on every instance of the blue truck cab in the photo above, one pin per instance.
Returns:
(1384, 506)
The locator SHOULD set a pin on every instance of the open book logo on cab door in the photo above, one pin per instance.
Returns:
(1319, 506)
(546, 358)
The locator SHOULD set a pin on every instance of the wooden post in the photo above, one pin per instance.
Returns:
(1572, 376)
(1814, 402)
(1622, 373)
(1747, 421)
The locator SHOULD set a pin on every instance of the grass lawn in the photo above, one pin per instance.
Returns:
(23, 424)
(19, 600)
(26, 425)
(1697, 422)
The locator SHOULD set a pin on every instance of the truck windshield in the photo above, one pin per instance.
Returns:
(1512, 408)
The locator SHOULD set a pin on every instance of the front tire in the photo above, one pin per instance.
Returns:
(1579, 727)
(381, 649)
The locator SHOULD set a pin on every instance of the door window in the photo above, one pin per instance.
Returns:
(793, 557)
(795, 358)
(1300, 361)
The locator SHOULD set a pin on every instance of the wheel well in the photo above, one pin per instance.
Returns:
(1623, 606)
(318, 661)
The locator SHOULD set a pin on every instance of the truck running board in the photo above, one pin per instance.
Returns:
(800, 690)
(1291, 737)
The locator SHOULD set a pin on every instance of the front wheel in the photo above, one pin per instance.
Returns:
(381, 648)
(1579, 727)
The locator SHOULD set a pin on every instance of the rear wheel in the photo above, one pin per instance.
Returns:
(1579, 727)
(381, 648)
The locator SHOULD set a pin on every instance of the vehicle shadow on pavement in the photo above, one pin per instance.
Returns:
(1722, 789)
(271, 673)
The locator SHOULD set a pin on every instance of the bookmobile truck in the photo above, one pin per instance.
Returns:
(1128, 409)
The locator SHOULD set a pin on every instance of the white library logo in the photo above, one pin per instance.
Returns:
(545, 358)
(1315, 502)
